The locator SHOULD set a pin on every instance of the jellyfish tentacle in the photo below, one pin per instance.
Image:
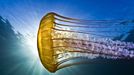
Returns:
(83, 33)
(87, 26)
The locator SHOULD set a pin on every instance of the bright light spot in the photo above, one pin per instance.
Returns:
(31, 42)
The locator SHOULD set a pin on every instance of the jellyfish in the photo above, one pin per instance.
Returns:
(61, 39)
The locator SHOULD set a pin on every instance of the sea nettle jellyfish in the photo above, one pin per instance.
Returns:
(61, 39)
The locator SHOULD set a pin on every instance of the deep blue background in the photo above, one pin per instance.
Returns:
(23, 17)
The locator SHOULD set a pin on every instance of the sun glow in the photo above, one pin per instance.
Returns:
(31, 42)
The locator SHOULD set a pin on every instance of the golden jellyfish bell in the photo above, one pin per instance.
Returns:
(61, 39)
(45, 43)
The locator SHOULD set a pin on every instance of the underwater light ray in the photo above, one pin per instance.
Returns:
(59, 45)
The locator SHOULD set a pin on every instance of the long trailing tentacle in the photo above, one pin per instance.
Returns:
(110, 48)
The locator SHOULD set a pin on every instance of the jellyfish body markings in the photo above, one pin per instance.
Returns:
(61, 39)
